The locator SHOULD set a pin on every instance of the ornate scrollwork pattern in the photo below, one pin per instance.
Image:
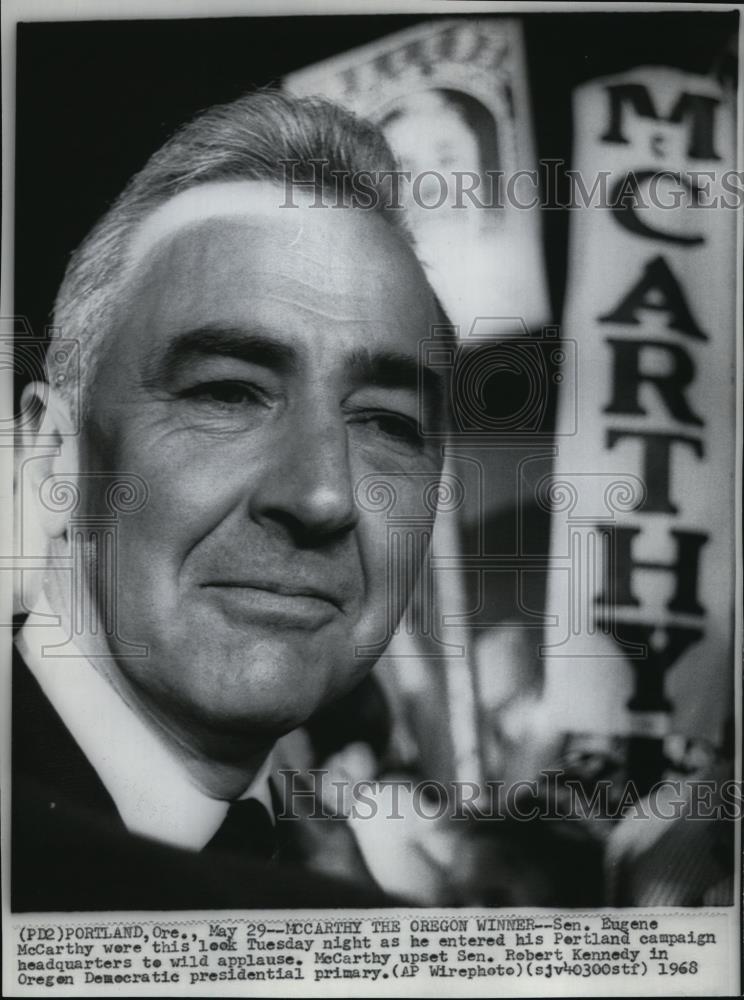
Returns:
(124, 493)
(376, 494)
(556, 496)
(625, 494)
(60, 494)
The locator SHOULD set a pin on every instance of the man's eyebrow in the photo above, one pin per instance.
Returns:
(395, 370)
(389, 369)
(251, 346)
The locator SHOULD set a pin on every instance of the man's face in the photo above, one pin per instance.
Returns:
(264, 360)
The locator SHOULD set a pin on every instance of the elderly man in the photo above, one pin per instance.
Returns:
(248, 354)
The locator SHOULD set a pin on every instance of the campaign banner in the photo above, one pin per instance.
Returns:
(642, 496)
(452, 98)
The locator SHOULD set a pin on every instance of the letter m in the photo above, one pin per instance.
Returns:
(595, 807)
(699, 109)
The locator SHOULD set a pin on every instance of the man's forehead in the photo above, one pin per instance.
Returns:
(229, 255)
(260, 200)
(230, 243)
(285, 217)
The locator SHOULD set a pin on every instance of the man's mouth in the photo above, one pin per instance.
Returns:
(275, 603)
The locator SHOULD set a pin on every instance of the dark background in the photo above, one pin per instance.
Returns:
(95, 99)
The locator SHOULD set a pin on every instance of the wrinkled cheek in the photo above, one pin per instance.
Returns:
(183, 506)
(396, 558)
(152, 545)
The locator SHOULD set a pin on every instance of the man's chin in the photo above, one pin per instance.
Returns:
(261, 685)
(269, 692)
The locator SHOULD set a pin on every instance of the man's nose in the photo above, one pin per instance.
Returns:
(306, 485)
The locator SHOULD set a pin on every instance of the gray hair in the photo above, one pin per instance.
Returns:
(254, 137)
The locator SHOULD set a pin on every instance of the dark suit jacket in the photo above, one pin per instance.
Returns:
(71, 850)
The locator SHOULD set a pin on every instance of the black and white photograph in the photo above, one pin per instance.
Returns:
(372, 508)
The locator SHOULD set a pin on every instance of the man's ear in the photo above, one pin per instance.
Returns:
(47, 445)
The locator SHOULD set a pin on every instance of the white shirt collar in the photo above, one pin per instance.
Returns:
(151, 788)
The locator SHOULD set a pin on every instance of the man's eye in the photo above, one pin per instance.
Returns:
(396, 426)
(227, 393)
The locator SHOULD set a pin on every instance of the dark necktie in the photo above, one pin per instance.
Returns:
(246, 830)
